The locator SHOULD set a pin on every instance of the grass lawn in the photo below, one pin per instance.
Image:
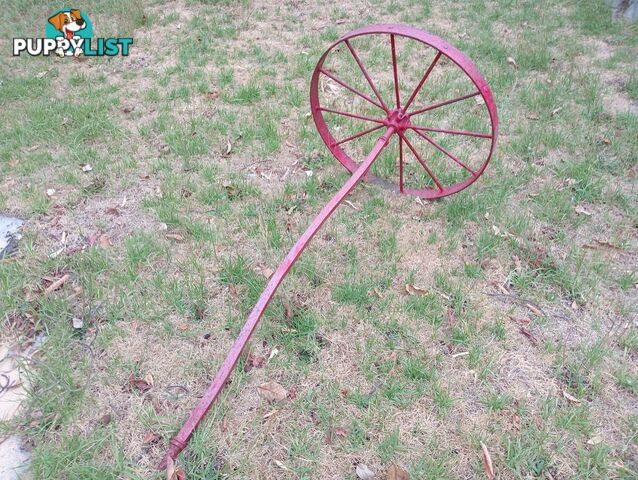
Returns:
(521, 333)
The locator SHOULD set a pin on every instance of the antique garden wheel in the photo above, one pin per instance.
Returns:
(447, 124)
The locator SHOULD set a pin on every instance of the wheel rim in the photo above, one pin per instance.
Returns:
(411, 116)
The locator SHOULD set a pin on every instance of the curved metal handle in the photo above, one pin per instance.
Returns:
(205, 403)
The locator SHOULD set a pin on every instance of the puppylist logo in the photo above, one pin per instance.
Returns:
(69, 33)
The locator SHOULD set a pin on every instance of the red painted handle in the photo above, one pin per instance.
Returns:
(205, 403)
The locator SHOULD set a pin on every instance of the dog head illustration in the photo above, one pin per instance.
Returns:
(68, 22)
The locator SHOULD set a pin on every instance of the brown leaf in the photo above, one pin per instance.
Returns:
(533, 115)
(170, 468)
(173, 473)
(571, 398)
(105, 419)
(253, 361)
(272, 391)
(213, 94)
(525, 331)
(397, 473)
(292, 393)
(150, 437)
(512, 62)
(175, 237)
(113, 211)
(104, 241)
(334, 432)
(534, 309)
(487, 462)
(264, 270)
(414, 290)
(524, 321)
(141, 384)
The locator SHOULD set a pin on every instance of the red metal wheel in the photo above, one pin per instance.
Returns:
(435, 157)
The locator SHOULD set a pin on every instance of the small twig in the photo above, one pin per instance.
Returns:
(57, 284)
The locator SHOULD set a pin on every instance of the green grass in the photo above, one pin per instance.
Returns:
(201, 147)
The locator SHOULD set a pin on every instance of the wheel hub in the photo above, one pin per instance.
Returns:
(399, 119)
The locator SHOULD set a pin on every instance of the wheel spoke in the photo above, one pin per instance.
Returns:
(365, 74)
(360, 134)
(352, 115)
(353, 90)
(452, 132)
(400, 164)
(394, 69)
(425, 77)
(443, 150)
(447, 102)
(418, 157)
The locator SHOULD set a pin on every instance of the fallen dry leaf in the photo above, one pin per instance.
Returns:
(105, 419)
(525, 331)
(534, 309)
(414, 290)
(253, 361)
(264, 270)
(570, 397)
(487, 462)
(113, 211)
(533, 115)
(87, 168)
(595, 440)
(140, 383)
(224, 425)
(150, 437)
(175, 237)
(104, 241)
(272, 391)
(363, 472)
(292, 393)
(170, 468)
(77, 323)
(512, 62)
(397, 473)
